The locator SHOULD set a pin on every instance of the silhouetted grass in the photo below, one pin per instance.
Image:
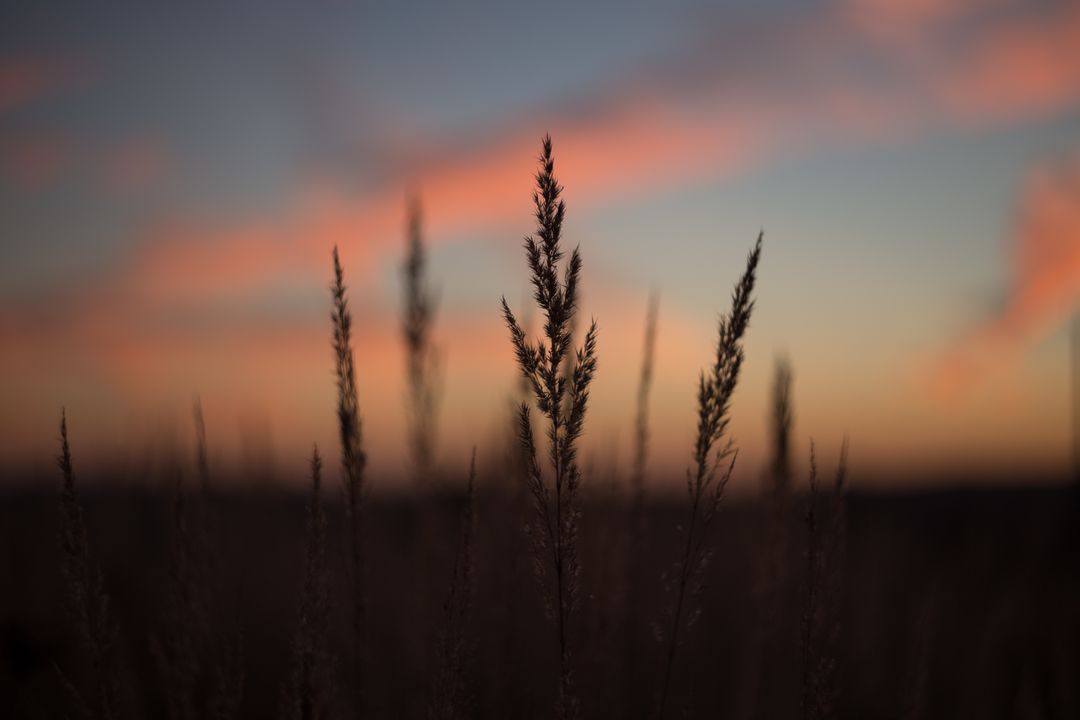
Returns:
(704, 488)
(309, 694)
(764, 654)
(223, 649)
(86, 599)
(781, 418)
(1002, 630)
(641, 417)
(562, 401)
(825, 538)
(451, 699)
(634, 530)
(421, 357)
(353, 461)
(179, 645)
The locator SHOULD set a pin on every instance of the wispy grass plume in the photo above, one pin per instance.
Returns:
(222, 647)
(635, 530)
(705, 489)
(450, 698)
(641, 418)
(771, 572)
(86, 598)
(202, 461)
(180, 645)
(781, 418)
(421, 356)
(353, 461)
(310, 691)
(562, 401)
(774, 569)
(825, 537)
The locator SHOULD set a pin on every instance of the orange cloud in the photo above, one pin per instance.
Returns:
(897, 19)
(649, 132)
(178, 262)
(1028, 66)
(1045, 284)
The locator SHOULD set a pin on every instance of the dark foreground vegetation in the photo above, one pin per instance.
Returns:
(958, 604)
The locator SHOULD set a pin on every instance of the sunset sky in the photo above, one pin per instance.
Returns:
(172, 181)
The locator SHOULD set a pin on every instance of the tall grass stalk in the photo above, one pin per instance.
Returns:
(202, 461)
(353, 461)
(86, 598)
(825, 538)
(179, 648)
(562, 401)
(771, 571)
(421, 356)
(450, 698)
(223, 646)
(704, 488)
(641, 418)
(781, 420)
(635, 530)
(310, 691)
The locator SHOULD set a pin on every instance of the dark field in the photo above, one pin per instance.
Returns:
(950, 604)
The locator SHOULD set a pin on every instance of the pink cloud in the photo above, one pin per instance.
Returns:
(649, 132)
(1026, 67)
(900, 19)
(178, 262)
(1045, 284)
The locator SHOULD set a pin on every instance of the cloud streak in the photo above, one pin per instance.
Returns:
(649, 132)
(798, 86)
(1045, 282)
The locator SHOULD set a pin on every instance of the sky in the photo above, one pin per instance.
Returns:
(172, 181)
